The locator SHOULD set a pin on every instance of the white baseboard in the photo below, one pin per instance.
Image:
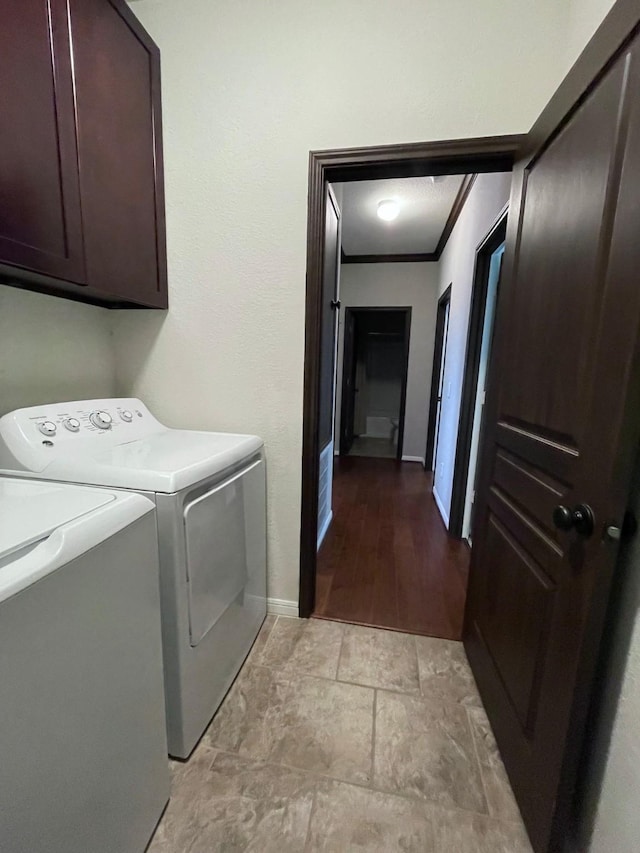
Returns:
(440, 505)
(323, 530)
(280, 607)
(413, 459)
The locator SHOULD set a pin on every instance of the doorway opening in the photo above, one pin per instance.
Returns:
(437, 379)
(484, 300)
(560, 428)
(375, 362)
(354, 571)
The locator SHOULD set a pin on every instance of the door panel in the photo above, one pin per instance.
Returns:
(119, 152)
(39, 196)
(515, 635)
(561, 418)
(559, 277)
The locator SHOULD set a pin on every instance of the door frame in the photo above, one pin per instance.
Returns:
(456, 156)
(492, 241)
(396, 309)
(439, 355)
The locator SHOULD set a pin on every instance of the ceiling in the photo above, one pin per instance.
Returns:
(424, 209)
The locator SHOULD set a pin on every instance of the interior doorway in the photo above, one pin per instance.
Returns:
(562, 422)
(484, 300)
(374, 381)
(437, 379)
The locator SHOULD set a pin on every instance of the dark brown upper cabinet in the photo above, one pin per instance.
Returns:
(81, 180)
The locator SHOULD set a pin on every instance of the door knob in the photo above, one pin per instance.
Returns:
(580, 519)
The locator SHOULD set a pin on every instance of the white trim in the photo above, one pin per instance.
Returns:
(323, 530)
(413, 459)
(440, 505)
(280, 607)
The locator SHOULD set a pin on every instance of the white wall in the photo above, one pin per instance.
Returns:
(488, 196)
(584, 18)
(398, 285)
(248, 89)
(52, 350)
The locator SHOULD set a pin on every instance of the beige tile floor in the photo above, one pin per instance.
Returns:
(341, 738)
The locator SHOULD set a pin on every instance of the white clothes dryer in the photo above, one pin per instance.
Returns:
(209, 491)
(83, 739)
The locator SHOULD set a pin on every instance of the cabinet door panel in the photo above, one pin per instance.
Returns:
(39, 197)
(116, 69)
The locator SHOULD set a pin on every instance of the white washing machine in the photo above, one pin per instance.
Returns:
(209, 491)
(83, 762)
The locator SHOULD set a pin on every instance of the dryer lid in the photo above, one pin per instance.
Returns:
(31, 510)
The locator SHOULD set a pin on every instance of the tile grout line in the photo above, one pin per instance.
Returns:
(373, 740)
(289, 674)
(264, 646)
(415, 643)
(307, 840)
(319, 777)
(477, 755)
(344, 631)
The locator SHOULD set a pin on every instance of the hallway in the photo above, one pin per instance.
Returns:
(387, 559)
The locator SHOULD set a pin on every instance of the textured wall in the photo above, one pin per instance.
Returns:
(249, 88)
(400, 285)
(52, 349)
(488, 196)
(584, 18)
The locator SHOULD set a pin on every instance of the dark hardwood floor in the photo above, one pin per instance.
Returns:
(387, 559)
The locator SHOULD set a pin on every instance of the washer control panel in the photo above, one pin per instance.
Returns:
(32, 438)
(67, 425)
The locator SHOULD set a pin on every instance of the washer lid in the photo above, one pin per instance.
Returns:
(31, 510)
(165, 462)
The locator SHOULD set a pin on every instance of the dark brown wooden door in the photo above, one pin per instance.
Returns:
(562, 430)
(330, 272)
(39, 196)
(117, 81)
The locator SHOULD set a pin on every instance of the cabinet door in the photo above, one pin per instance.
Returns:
(117, 83)
(39, 199)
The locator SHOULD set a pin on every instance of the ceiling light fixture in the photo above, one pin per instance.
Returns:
(388, 209)
(436, 179)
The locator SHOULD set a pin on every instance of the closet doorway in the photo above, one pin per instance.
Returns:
(374, 381)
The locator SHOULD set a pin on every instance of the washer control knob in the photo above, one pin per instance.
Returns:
(72, 424)
(47, 428)
(126, 416)
(102, 420)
